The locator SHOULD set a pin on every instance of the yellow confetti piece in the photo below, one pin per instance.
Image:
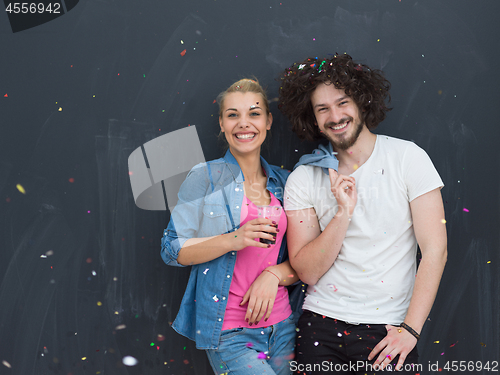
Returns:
(60, 109)
(99, 303)
(355, 166)
(20, 188)
(378, 40)
(84, 358)
(488, 262)
(443, 221)
(436, 342)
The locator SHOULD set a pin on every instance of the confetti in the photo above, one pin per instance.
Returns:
(331, 286)
(249, 344)
(183, 53)
(262, 356)
(129, 361)
(5, 363)
(316, 343)
(60, 109)
(121, 326)
(6, 96)
(215, 298)
(71, 180)
(443, 221)
(20, 188)
(436, 342)
(488, 262)
(466, 210)
(205, 272)
(99, 303)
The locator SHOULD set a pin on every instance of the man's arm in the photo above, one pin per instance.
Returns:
(430, 231)
(311, 251)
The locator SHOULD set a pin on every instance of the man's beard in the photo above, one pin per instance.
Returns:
(344, 143)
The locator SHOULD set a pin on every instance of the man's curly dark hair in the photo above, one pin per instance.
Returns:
(367, 87)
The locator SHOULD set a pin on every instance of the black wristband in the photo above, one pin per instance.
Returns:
(411, 330)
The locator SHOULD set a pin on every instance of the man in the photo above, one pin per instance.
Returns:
(352, 235)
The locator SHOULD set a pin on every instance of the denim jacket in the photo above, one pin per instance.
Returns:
(210, 204)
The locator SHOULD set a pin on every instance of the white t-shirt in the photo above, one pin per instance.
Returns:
(372, 279)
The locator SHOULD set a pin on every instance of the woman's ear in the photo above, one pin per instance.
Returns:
(220, 124)
(269, 121)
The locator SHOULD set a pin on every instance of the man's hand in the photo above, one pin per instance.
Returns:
(398, 341)
(344, 190)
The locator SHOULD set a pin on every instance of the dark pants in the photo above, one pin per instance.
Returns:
(327, 346)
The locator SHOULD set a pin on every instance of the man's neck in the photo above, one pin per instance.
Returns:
(356, 155)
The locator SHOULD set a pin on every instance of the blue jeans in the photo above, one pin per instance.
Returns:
(255, 351)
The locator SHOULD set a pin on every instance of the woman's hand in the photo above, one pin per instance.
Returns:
(260, 296)
(250, 234)
(344, 191)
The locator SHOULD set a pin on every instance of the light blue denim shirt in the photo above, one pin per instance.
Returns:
(210, 204)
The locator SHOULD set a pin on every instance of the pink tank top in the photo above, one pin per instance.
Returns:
(250, 262)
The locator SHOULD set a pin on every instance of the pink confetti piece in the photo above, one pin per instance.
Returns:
(262, 356)
(466, 210)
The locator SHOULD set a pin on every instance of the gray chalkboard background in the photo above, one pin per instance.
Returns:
(82, 284)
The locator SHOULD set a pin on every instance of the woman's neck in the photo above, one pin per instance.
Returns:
(251, 166)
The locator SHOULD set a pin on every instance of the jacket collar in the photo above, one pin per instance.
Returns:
(230, 159)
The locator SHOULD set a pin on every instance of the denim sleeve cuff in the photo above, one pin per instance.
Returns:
(170, 249)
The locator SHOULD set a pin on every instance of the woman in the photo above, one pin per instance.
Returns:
(236, 306)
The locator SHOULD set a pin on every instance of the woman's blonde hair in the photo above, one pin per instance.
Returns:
(244, 85)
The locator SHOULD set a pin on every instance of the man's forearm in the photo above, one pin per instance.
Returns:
(426, 286)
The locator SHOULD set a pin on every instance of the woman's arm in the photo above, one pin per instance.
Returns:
(262, 293)
(202, 250)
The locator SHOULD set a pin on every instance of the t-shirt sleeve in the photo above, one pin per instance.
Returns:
(419, 173)
(297, 190)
